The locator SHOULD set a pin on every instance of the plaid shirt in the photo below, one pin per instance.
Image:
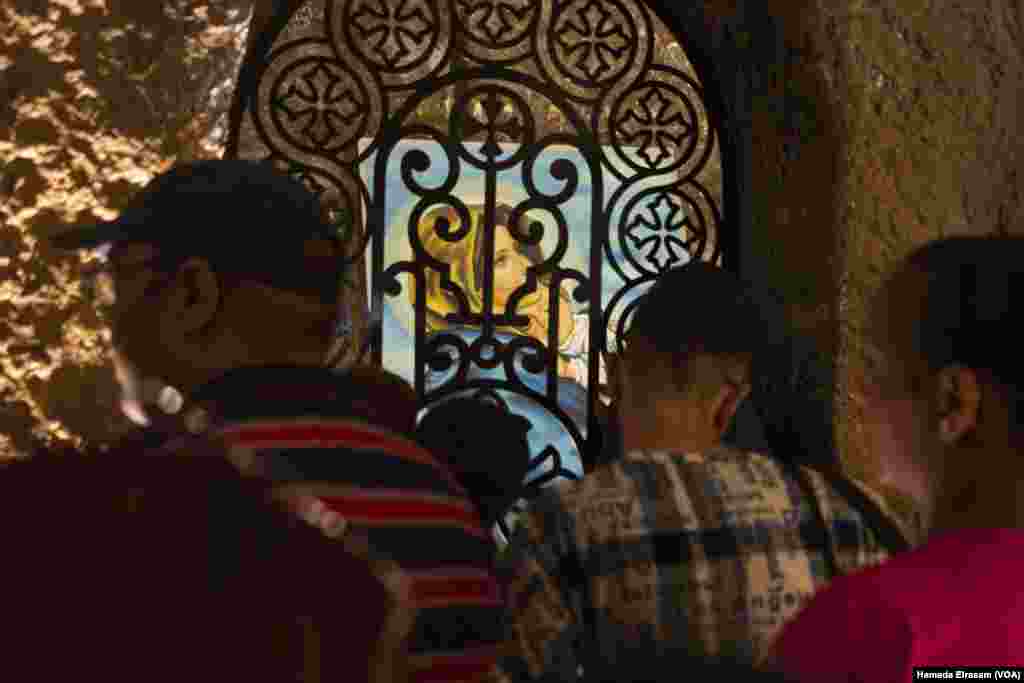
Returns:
(711, 551)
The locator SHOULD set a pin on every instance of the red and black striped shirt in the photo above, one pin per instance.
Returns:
(332, 447)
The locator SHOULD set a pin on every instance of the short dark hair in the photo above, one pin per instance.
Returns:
(699, 308)
(973, 288)
(230, 275)
(971, 303)
(246, 217)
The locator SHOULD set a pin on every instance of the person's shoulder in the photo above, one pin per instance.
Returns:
(909, 521)
(660, 477)
(634, 473)
(382, 397)
(720, 461)
(334, 455)
(350, 432)
(558, 507)
(718, 453)
(556, 498)
(726, 453)
(609, 480)
(848, 497)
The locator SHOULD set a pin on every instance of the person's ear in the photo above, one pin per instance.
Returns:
(958, 402)
(726, 403)
(195, 296)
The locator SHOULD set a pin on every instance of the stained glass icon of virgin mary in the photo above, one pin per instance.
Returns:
(512, 261)
(452, 233)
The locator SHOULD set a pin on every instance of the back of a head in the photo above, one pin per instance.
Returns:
(699, 308)
(485, 445)
(972, 302)
(170, 569)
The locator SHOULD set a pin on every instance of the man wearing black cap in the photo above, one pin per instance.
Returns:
(221, 285)
(212, 266)
(683, 542)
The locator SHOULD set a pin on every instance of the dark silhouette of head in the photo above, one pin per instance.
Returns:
(685, 365)
(485, 446)
(189, 287)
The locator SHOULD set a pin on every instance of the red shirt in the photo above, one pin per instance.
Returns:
(956, 601)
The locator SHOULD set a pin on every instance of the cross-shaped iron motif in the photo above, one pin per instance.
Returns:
(397, 31)
(656, 227)
(497, 19)
(495, 122)
(657, 125)
(319, 95)
(597, 40)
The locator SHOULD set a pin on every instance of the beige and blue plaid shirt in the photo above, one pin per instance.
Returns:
(712, 551)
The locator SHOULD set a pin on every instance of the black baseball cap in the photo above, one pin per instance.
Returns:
(700, 307)
(244, 216)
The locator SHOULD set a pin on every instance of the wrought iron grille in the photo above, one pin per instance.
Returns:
(518, 171)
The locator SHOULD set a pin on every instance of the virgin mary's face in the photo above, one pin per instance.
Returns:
(509, 267)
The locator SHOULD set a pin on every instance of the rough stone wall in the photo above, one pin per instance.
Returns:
(934, 113)
(864, 128)
(97, 96)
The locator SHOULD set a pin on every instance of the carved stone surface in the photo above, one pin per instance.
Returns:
(97, 96)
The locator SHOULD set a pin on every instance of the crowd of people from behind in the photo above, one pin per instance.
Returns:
(274, 519)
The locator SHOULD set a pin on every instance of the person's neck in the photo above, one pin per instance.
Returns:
(981, 498)
(668, 437)
(661, 425)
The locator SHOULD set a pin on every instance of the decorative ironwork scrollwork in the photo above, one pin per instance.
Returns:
(494, 114)
(532, 166)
